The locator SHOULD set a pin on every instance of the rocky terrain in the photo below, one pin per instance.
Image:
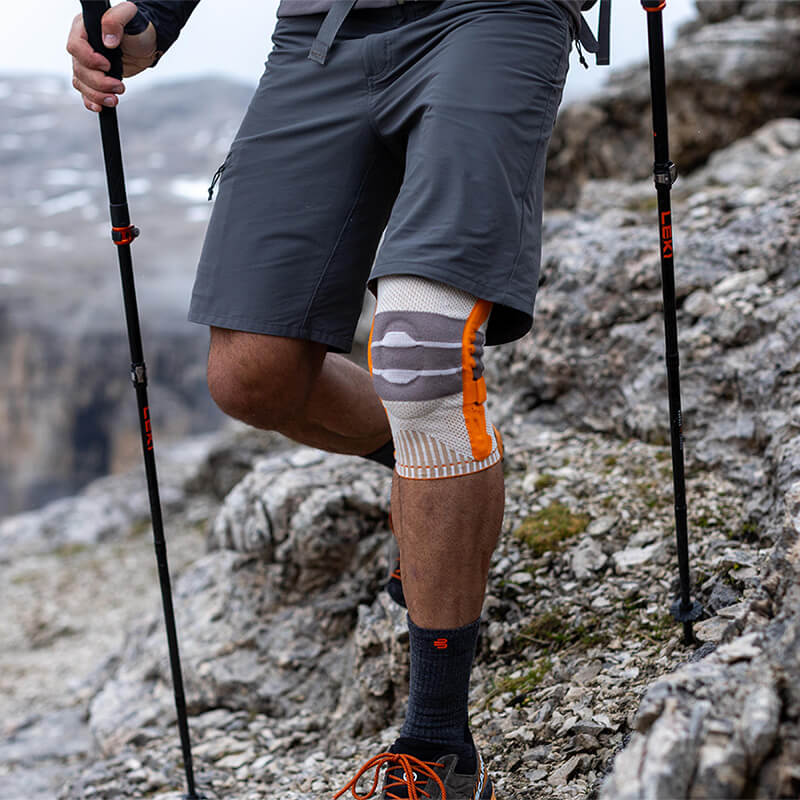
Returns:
(730, 70)
(294, 659)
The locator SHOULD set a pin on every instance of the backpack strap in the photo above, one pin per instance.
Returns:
(328, 30)
(601, 46)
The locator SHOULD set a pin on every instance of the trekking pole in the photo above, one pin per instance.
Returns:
(666, 173)
(122, 234)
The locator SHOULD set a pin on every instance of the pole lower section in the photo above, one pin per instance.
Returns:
(684, 609)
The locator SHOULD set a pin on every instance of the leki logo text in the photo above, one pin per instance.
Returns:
(666, 235)
(148, 443)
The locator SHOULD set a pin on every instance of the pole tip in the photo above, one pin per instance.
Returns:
(690, 613)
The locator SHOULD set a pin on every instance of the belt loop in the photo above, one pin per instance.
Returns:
(328, 30)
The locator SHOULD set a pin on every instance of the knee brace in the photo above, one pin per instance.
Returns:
(425, 356)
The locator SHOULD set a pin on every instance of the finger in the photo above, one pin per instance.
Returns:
(79, 48)
(92, 106)
(96, 79)
(93, 97)
(114, 22)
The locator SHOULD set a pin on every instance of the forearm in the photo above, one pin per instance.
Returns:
(167, 16)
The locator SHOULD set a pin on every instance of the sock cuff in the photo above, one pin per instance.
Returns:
(449, 641)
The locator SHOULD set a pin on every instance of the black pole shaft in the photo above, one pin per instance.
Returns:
(120, 220)
(665, 173)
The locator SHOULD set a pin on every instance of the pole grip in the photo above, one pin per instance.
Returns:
(93, 11)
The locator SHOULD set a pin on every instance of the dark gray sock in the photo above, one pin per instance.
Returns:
(441, 663)
(383, 455)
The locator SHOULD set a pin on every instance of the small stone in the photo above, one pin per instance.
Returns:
(586, 742)
(567, 725)
(589, 672)
(632, 557)
(700, 304)
(587, 558)
(711, 630)
(235, 760)
(721, 595)
(739, 281)
(306, 457)
(644, 536)
(601, 525)
(736, 612)
(741, 649)
(605, 721)
(734, 557)
(589, 728)
(561, 775)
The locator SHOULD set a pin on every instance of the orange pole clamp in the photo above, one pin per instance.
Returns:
(124, 235)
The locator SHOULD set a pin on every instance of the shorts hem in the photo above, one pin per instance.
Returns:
(340, 344)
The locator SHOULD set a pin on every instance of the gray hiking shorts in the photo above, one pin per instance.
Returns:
(429, 121)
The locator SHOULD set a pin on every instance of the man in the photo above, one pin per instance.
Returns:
(429, 120)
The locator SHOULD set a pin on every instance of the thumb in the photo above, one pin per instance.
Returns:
(115, 20)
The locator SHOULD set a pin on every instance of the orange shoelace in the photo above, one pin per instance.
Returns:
(414, 772)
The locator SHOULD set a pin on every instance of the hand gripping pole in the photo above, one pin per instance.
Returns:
(123, 234)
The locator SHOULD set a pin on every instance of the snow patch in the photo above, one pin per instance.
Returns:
(201, 140)
(70, 177)
(50, 239)
(198, 213)
(138, 186)
(49, 86)
(192, 189)
(65, 202)
(13, 237)
(38, 122)
(24, 101)
(11, 141)
(9, 277)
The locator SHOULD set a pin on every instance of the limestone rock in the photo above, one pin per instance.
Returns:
(725, 80)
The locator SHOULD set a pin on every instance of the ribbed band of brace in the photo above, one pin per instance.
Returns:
(426, 351)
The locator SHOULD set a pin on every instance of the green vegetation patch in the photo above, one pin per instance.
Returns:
(547, 529)
(556, 630)
(69, 549)
(523, 684)
(749, 532)
(545, 481)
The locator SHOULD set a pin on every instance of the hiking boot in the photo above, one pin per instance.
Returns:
(409, 777)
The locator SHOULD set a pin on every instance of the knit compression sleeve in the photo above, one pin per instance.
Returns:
(167, 16)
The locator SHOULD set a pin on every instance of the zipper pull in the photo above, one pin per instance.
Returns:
(215, 179)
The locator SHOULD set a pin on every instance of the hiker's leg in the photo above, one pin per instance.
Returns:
(447, 530)
(447, 499)
(296, 387)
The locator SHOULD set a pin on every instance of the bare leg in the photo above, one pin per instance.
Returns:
(447, 530)
(297, 388)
